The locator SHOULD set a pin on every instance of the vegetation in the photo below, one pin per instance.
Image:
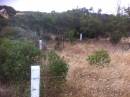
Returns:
(71, 36)
(100, 57)
(73, 22)
(16, 54)
(54, 74)
(116, 37)
(57, 66)
(16, 57)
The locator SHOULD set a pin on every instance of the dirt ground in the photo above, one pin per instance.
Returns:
(85, 80)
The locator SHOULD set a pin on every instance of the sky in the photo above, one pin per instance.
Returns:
(107, 6)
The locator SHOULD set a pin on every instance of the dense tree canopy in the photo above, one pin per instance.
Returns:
(91, 24)
(80, 20)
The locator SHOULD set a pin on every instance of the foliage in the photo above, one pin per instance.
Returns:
(82, 20)
(91, 24)
(100, 57)
(115, 37)
(127, 11)
(8, 32)
(57, 66)
(3, 23)
(16, 57)
(70, 35)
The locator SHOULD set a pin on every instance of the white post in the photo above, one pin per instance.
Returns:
(81, 36)
(35, 81)
(40, 44)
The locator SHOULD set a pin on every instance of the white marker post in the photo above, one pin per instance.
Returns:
(35, 81)
(81, 36)
(40, 44)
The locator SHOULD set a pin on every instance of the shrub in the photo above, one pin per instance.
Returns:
(16, 58)
(115, 37)
(8, 32)
(56, 72)
(71, 35)
(100, 57)
(57, 66)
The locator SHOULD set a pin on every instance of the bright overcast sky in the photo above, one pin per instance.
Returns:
(107, 6)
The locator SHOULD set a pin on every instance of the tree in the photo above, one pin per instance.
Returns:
(99, 11)
(127, 11)
(91, 26)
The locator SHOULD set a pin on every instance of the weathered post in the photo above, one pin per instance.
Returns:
(81, 36)
(35, 81)
(40, 44)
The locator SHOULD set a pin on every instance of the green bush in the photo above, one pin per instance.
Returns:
(100, 57)
(57, 66)
(71, 36)
(16, 57)
(9, 32)
(115, 37)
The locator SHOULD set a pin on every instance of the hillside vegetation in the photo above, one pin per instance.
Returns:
(97, 66)
(91, 24)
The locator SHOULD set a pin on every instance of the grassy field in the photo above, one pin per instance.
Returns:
(85, 80)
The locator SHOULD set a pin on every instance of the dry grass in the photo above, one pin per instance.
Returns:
(84, 80)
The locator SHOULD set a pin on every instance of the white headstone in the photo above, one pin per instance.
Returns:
(40, 44)
(35, 81)
(81, 36)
